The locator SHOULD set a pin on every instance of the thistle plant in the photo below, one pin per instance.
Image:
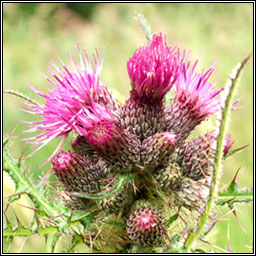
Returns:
(133, 181)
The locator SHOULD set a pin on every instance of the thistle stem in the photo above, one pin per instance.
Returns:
(232, 84)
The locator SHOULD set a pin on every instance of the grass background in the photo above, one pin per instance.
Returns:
(220, 31)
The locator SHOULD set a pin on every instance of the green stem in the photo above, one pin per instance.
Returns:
(220, 145)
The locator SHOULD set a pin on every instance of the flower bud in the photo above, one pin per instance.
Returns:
(157, 149)
(169, 178)
(193, 195)
(145, 225)
(77, 173)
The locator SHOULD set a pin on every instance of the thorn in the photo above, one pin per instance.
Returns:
(234, 212)
(17, 194)
(181, 218)
(21, 246)
(229, 249)
(45, 177)
(45, 239)
(17, 219)
(57, 192)
(232, 188)
(69, 240)
(21, 155)
(12, 132)
(25, 172)
(37, 223)
(28, 207)
(165, 233)
(90, 237)
(236, 176)
(214, 246)
(7, 220)
(224, 215)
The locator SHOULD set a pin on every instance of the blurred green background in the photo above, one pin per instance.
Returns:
(220, 31)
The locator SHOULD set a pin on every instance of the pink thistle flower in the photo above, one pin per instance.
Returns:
(153, 69)
(103, 133)
(73, 93)
(195, 99)
(194, 93)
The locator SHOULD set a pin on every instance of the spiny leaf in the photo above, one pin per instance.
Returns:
(239, 197)
(24, 231)
(23, 185)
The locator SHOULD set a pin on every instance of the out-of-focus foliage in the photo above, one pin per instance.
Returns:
(34, 31)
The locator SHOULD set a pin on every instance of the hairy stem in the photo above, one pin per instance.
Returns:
(230, 90)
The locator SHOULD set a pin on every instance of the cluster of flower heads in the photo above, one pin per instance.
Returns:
(141, 138)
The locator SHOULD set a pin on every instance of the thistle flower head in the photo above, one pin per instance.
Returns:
(195, 94)
(153, 69)
(74, 94)
(99, 127)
